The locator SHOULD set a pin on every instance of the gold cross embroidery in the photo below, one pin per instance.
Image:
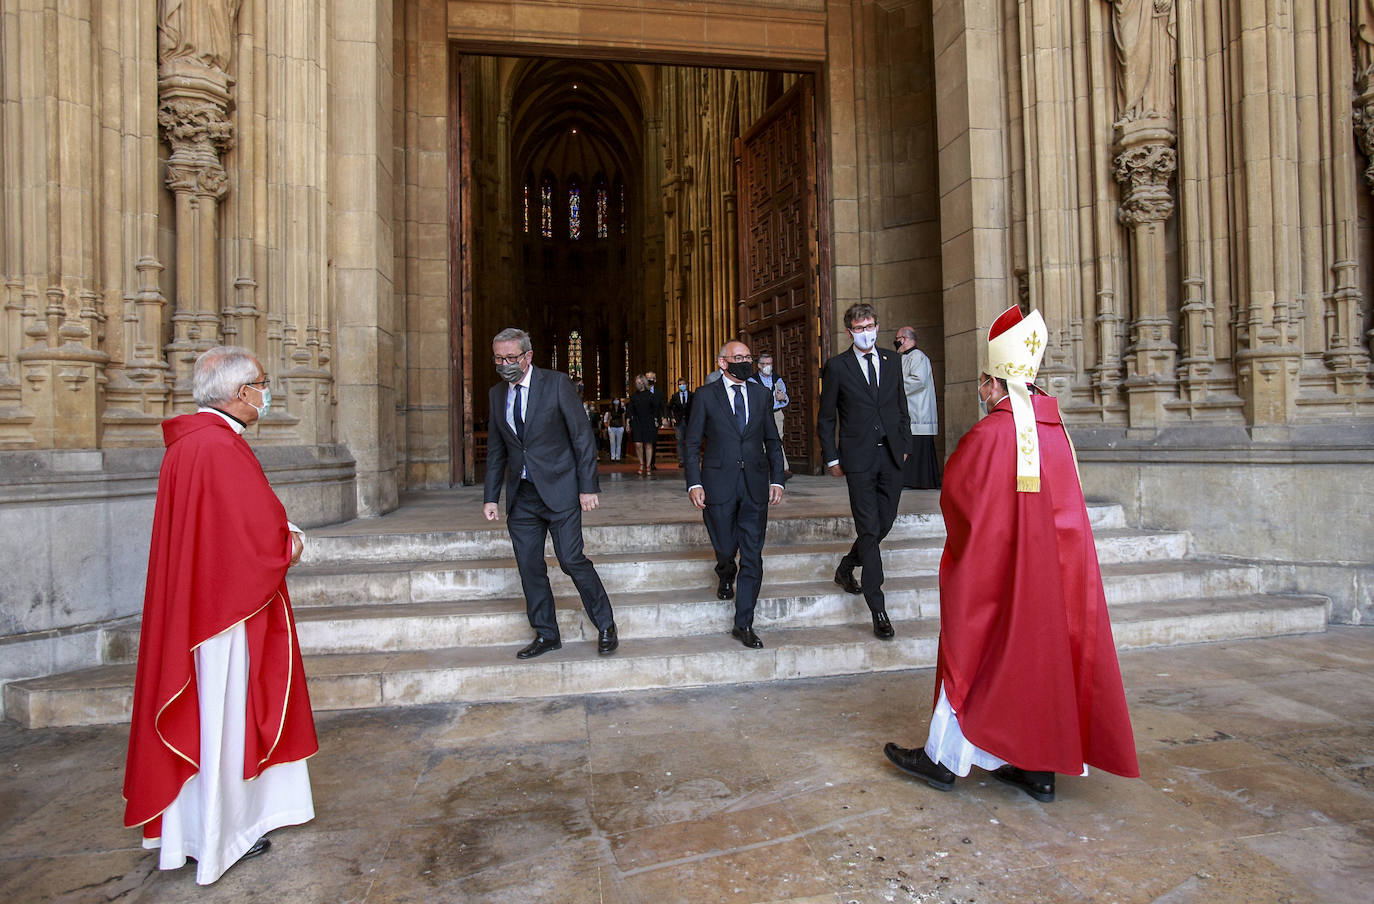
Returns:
(1033, 343)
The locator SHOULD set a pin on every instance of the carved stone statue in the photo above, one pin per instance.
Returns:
(202, 30)
(1144, 34)
(1364, 37)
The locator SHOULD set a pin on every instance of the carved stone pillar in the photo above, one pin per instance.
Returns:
(193, 111)
(1144, 34)
(194, 44)
(1346, 353)
(1145, 163)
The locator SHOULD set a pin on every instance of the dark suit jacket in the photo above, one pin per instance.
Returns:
(678, 411)
(559, 451)
(758, 451)
(846, 396)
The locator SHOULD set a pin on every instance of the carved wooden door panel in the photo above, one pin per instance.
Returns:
(779, 309)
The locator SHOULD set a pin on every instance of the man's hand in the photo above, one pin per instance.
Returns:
(905, 456)
(588, 501)
(774, 494)
(297, 547)
(835, 471)
(490, 512)
(698, 497)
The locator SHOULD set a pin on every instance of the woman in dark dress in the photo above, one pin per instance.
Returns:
(643, 424)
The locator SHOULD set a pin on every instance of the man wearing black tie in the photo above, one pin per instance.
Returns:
(541, 443)
(862, 389)
(679, 409)
(735, 478)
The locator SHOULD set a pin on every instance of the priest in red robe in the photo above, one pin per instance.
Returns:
(221, 718)
(1027, 682)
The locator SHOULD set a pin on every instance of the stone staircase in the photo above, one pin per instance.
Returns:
(393, 619)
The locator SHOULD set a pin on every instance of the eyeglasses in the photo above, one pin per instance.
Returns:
(860, 327)
(508, 359)
(739, 358)
(263, 382)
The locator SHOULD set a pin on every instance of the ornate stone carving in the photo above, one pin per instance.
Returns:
(1364, 84)
(1144, 172)
(1144, 34)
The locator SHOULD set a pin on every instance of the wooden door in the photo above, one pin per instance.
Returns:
(779, 309)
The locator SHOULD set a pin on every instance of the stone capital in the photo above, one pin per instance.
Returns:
(1144, 171)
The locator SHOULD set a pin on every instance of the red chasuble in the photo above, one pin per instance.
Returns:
(219, 554)
(1026, 652)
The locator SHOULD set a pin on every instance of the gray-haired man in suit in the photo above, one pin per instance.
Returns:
(541, 442)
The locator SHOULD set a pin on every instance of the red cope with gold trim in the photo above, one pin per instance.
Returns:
(219, 554)
(1026, 652)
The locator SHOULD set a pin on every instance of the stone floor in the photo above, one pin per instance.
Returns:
(1258, 786)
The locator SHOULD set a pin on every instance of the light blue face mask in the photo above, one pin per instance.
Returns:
(266, 393)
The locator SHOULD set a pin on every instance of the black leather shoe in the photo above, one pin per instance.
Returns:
(747, 637)
(540, 646)
(725, 590)
(607, 641)
(882, 626)
(916, 763)
(259, 847)
(845, 578)
(1039, 785)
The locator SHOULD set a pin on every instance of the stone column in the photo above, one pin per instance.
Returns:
(1346, 353)
(1145, 165)
(194, 45)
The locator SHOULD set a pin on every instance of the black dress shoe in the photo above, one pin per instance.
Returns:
(845, 578)
(882, 626)
(607, 641)
(540, 646)
(259, 847)
(725, 590)
(747, 637)
(915, 762)
(1039, 785)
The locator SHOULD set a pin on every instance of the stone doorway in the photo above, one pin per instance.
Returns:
(594, 204)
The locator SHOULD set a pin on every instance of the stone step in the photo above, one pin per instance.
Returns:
(362, 628)
(684, 568)
(331, 546)
(476, 673)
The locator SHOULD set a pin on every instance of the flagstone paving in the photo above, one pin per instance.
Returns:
(1258, 786)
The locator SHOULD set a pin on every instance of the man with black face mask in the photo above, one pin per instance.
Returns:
(736, 479)
(541, 443)
(864, 403)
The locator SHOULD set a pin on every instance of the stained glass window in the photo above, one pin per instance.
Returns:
(546, 209)
(553, 357)
(527, 208)
(574, 212)
(575, 354)
(601, 205)
(624, 221)
(628, 389)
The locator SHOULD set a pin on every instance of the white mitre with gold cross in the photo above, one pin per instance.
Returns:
(1015, 347)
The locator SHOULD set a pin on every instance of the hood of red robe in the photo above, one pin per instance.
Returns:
(1026, 652)
(219, 554)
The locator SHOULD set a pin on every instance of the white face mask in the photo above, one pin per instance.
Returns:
(766, 370)
(865, 339)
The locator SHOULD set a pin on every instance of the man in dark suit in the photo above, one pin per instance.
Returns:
(540, 441)
(679, 409)
(874, 432)
(735, 478)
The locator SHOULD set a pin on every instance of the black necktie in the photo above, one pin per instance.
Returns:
(518, 417)
(739, 407)
(872, 374)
